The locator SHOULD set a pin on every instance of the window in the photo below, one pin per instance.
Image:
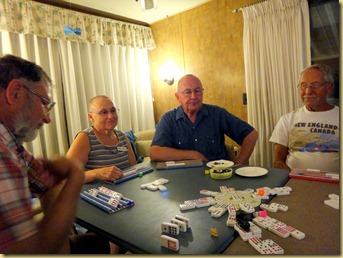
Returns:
(325, 40)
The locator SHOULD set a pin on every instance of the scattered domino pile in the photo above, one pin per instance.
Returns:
(106, 199)
(174, 227)
(252, 233)
(245, 200)
(333, 201)
(277, 227)
(156, 185)
(268, 246)
(232, 201)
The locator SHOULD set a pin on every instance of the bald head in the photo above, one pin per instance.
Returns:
(188, 79)
(94, 101)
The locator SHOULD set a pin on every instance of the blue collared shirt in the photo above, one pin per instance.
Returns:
(206, 135)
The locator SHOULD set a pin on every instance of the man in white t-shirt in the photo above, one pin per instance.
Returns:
(309, 137)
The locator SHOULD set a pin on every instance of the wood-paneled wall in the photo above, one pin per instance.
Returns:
(206, 41)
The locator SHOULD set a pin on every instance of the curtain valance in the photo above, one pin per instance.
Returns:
(29, 17)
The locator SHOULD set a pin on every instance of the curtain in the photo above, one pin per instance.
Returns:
(121, 73)
(276, 43)
(80, 68)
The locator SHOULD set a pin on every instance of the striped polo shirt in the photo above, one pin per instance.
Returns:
(104, 156)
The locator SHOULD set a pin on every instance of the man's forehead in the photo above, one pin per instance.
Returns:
(312, 73)
(103, 103)
(190, 82)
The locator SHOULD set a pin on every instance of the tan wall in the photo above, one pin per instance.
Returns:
(206, 41)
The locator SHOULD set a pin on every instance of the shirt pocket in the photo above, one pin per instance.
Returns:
(210, 145)
(183, 142)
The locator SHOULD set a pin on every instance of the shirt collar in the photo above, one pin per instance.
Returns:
(7, 138)
(180, 114)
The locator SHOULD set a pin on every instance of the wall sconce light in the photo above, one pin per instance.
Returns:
(169, 81)
(148, 5)
(167, 72)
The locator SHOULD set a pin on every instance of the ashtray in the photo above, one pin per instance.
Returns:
(221, 172)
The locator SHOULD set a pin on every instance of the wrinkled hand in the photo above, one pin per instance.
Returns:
(55, 171)
(110, 173)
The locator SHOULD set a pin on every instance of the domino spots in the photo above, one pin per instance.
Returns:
(174, 227)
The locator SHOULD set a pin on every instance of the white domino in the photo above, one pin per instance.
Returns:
(231, 209)
(218, 213)
(246, 207)
(182, 225)
(255, 230)
(170, 228)
(256, 243)
(208, 193)
(170, 242)
(272, 247)
(143, 186)
(231, 220)
(267, 246)
(332, 203)
(184, 219)
(295, 233)
(160, 181)
(263, 222)
(273, 207)
(162, 188)
(280, 231)
(176, 164)
(283, 207)
(334, 197)
(152, 187)
(187, 206)
(245, 235)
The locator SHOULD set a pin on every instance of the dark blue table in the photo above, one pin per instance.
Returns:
(138, 228)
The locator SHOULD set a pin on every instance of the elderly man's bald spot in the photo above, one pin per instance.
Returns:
(183, 81)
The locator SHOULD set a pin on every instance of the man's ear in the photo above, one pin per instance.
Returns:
(177, 96)
(330, 87)
(90, 117)
(12, 92)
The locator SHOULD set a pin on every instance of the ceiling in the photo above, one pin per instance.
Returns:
(132, 9)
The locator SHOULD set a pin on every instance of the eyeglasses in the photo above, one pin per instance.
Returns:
(47, 103)
(198, 92)
(312, 86)
(105, 112)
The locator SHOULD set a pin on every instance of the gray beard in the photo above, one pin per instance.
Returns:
(22, 132)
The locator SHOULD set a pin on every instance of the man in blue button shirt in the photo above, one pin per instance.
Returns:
(197, 131)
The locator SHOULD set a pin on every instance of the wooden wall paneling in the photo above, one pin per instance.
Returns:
(207, 41)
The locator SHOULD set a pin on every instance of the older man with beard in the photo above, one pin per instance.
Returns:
(196, 131)
(24, 109)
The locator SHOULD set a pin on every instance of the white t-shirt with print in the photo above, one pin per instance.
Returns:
(311, 137)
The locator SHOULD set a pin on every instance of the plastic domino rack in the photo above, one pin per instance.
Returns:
(106, 199)
(131, 173)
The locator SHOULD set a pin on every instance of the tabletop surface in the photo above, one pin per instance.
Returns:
(307, 213)
(138, 228)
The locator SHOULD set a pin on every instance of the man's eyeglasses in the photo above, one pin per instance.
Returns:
(47, 103)
(312, 86)
(198, 92)
(105, 112)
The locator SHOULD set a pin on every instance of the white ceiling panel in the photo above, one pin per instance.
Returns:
(132, 8)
